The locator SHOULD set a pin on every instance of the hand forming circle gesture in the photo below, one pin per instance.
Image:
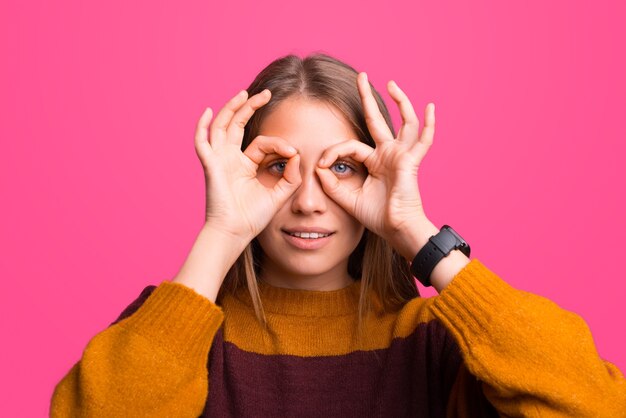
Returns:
(236, 202)
(389, 201)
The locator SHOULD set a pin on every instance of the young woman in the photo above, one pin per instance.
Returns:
(298, 296)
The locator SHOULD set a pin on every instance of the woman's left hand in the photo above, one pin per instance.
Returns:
(389, 202)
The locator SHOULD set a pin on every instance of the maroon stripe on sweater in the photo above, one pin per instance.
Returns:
(413, 377)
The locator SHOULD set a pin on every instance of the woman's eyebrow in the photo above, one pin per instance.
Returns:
(349, 159)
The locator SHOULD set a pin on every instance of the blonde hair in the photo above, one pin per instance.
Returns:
(324, 78)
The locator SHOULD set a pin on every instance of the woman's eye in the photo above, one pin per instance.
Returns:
(341, 167)
(278, 167)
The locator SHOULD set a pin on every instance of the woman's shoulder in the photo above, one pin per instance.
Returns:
(412, 315)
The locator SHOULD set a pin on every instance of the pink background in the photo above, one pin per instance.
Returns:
(102, 193)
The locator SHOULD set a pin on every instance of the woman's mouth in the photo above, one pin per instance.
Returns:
(308, 235)
(307, 240)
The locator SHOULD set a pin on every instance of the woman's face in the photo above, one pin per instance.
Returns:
(310, 238)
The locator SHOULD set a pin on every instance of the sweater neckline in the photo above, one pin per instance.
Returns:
(301, 302)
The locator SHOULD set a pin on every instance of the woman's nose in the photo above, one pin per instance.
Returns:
(309, 198)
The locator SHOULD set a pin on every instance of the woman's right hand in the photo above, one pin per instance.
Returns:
(236, 202)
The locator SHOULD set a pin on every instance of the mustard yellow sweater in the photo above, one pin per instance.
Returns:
(480, 348)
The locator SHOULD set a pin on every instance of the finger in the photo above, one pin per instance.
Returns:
(289, 182)
(224, 116)
(410, 123)
(235, 129)
(373, 118)
(358, 150)
(203, 148)
(344, 196)
(262, 146)
(428, 133)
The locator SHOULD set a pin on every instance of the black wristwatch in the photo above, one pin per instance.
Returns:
(437, 247)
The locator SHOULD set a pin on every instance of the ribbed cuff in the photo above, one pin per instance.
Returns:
(178, 319)
(473, 303)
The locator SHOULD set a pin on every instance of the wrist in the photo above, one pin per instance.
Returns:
(447, 269)
(234, 234)
(412, 239)
(230, 237)
(211, 256)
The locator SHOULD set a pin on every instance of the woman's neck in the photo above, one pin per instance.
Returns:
(334, 279)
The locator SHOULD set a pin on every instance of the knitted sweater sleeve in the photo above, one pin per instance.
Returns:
(152, 362)
(531, 357)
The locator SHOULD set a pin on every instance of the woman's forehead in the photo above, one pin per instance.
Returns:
(307, 124)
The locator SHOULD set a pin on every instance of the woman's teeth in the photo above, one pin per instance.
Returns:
(309, 235)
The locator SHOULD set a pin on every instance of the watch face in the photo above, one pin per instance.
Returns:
(463, 246)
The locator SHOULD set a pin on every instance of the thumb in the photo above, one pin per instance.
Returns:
(289, 183)
(344, 197)
(201, 140)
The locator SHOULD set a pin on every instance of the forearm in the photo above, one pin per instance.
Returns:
(153, 362)
(532, 357)
(411, 241)
(210, 258)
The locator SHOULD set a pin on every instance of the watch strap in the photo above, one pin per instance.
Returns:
(437, 247)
